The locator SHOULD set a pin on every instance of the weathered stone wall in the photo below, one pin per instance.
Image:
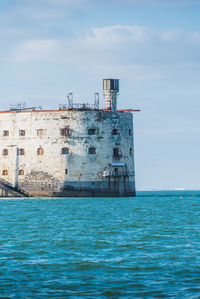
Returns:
(31, 145)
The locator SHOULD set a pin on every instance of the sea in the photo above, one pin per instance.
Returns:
(146, 246)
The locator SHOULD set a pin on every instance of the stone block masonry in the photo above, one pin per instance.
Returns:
(68, 152)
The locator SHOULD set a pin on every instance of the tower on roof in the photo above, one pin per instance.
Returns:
(111, 90)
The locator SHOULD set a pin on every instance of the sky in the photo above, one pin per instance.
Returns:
(49, 48)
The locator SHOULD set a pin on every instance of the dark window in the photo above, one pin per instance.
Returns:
(66, 171)
(92, 131)
(40, 151)
(5, 133)
(5, 152)
(40, 132)
(116, 152)
(21, 151)
(116, 171)
(65, 132)
(21, 132)
(130, 132)
(65, 151)
(131, 151)
(5, 172)
(21, 172)
(115, 132)
(92, 150)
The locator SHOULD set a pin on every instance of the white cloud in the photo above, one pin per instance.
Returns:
(109, 37)
(35, 50)
(136, 52)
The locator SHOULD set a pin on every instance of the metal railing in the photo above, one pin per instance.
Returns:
(117, 174)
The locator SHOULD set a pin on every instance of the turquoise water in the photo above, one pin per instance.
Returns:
(143, 247)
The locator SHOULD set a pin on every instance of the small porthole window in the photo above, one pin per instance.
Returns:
(21, 132)
(5, 152)
(5, 172)
(5, 133)
(21, 172)
(65, 151)
(40, 151)
(92, 150)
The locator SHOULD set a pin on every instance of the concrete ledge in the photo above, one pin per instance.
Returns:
(84, 189)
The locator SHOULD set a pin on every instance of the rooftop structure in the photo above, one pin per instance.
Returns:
(76, 150)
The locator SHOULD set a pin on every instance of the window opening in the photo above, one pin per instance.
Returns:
(21, 172)
(5, 152)
(115, 132)
(5, 133)
(40, 151)
(65, 132)
(21, 152)
(40, 132)
(5, 172)
(65, 151)
(92, 131)
(116, 171)
(116, 152)
(92, 150)
(21, 132)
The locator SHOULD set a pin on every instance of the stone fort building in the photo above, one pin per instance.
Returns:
(78, 150)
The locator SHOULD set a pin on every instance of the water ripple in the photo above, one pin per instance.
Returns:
(143, 247)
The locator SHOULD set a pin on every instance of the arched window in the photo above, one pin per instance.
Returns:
(92, 131)
(116, 171)
(65, 132)
(5, 152)
(21, 172)
(92, 150)
(5, 133)
(130, 132)
(65, 151)
(21, 132)
(131, 151)
(40, 151)
(40, 132)
(21, 152)
(5, 172)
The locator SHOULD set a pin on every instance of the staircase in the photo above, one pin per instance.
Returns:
(7, 190)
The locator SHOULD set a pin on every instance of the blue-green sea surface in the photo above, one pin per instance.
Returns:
(142, 247)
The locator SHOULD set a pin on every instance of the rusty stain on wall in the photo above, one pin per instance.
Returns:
(89, 137)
